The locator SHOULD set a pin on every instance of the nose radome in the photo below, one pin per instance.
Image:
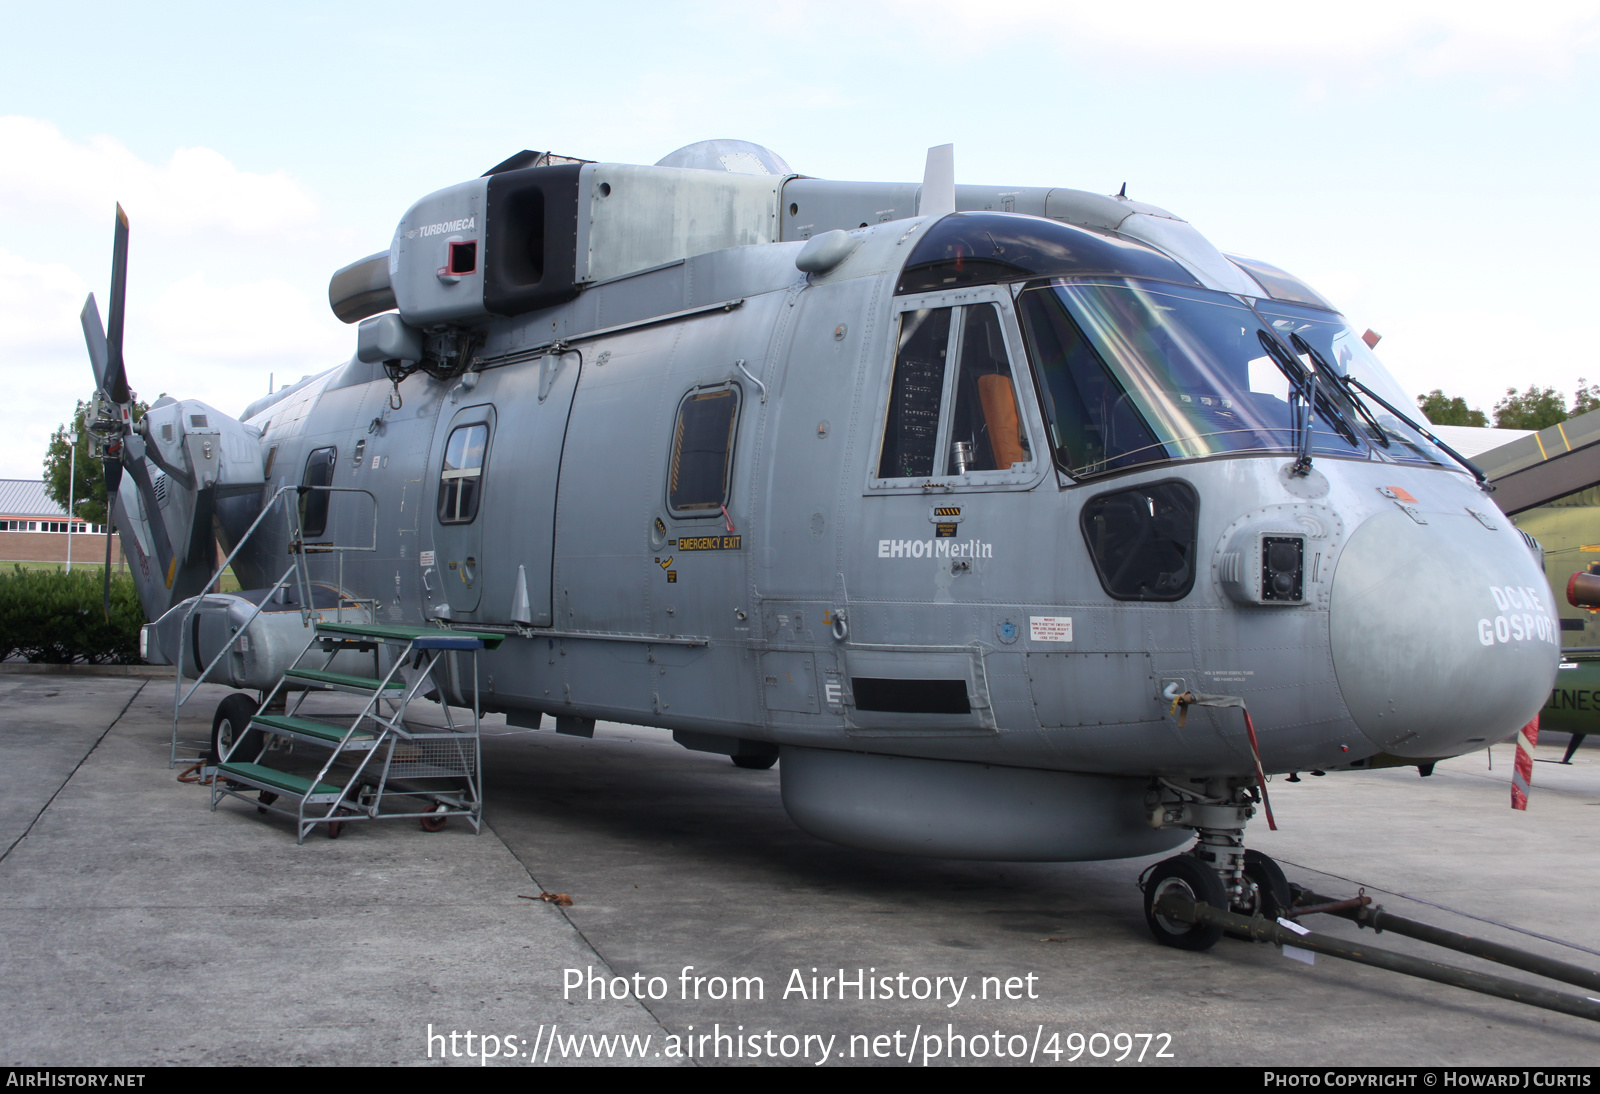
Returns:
(1443, 634)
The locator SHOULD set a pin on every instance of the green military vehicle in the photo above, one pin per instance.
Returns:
(1549, 483)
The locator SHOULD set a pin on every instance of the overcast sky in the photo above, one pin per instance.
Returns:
(1431, 167)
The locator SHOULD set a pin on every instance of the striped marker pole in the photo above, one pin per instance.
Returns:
(1522, 774)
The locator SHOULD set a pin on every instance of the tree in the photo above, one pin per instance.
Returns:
(1586, 399)
(1536, 408)
(89, 488)
(1440, 409)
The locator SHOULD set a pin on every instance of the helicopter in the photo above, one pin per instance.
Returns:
(1019, 523)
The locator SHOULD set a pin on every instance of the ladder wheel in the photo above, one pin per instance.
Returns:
(232, 723)
(435, 823)
(334, 829)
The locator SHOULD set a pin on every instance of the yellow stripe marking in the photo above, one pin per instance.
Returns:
(1543, 455)
(1563, 431)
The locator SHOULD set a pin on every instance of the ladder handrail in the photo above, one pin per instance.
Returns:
(303, 584)
(178, 698)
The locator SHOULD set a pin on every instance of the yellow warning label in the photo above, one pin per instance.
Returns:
(709, 543)
(947, 510)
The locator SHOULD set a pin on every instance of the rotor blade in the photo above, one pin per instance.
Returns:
(137, 465)
(116, 381)
(106, 593)
(94, 335)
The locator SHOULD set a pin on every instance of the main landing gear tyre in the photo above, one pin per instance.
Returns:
(1195, 881)
(754, 763)
(1272, 897)
(232, 723)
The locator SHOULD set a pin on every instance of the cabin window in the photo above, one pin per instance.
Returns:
(702, 452)
(461, 480)
(953, 407)
(314, 503)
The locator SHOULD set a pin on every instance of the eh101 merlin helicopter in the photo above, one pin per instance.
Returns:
(1020, 522)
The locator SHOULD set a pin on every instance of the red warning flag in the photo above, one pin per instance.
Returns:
(1522, 775)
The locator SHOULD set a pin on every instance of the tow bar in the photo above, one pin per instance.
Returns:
(1360, 911)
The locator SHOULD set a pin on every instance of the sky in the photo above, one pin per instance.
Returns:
(1430, 167)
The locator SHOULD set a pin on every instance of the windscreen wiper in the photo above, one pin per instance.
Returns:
(1307, 387)
(1351, 381)
(1374, 427)
(1296, 376)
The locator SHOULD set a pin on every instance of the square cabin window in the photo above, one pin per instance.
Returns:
(462, 476)
(702, 452)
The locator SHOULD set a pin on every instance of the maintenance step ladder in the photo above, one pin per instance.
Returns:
(379, 766)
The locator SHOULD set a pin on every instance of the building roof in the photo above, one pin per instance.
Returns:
(1473, 440)
(26, 498)
(1546, 465)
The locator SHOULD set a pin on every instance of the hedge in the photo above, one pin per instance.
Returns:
(58, 617)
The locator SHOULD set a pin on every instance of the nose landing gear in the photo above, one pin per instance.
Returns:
(1218, 870)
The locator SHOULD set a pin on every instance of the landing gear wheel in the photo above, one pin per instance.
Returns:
(754, 763)
(1272, 896)
(231, 723)
(1194, 880)
(437, 822)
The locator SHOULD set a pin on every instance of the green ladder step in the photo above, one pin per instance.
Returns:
(400, 633)
(293, 784)
(365, 683)
(308, 728)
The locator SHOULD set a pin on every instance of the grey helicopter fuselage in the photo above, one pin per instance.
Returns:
(867, 510)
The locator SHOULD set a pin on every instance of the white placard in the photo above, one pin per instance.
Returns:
(1297, 953)
(425, 558)
(1050, 628)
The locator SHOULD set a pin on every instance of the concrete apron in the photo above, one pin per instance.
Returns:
(680, 859)
(138, 927)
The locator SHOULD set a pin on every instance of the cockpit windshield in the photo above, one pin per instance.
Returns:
(1138, 372)
(1135, 372)
(1346, 354)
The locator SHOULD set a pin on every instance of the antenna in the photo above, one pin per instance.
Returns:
(939, 182)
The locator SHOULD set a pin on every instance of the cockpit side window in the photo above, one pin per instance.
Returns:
(702, 452)
(461, 479)
(314, 503)
(911, 433)
(953, 407)
(986, 432)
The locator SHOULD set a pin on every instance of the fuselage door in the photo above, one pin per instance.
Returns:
(949, 512)
(461, 507)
